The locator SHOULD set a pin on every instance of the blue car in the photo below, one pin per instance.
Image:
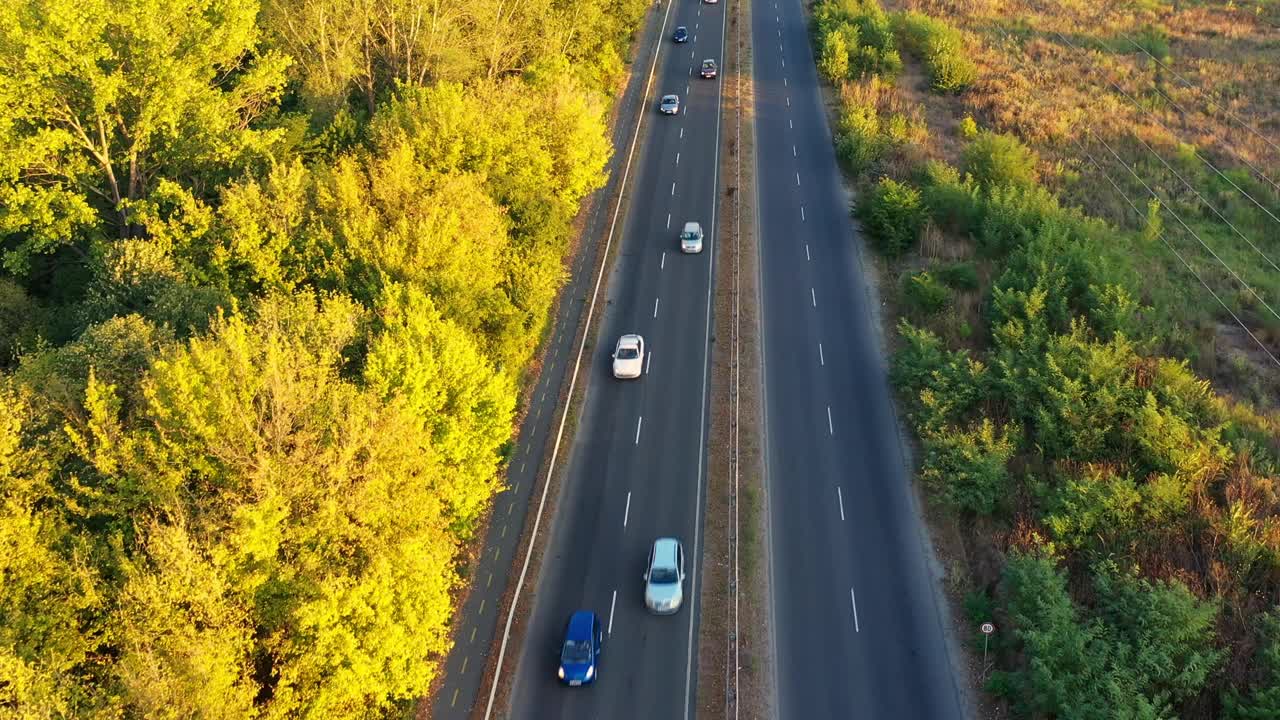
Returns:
(681, 34)
(580, 654)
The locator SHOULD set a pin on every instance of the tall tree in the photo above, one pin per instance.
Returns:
(100, 98)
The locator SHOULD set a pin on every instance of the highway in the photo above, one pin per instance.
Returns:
(858, 624)
(637, 462)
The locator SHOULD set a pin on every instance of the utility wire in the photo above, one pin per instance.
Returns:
(1184, 225)
(1177, 254)
(1170, 168)
(1164, 239)
(1211, 101)
(1201, 92)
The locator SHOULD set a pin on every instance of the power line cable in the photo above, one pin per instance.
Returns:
(1211, 101)
(1164, 239)
(1178, 217)
(1201, 92)
(1177, 254)
(1170, 168)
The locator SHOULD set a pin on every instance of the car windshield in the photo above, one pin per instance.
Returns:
(688, 236)
(628, 353)
(708, 64)
(662, 576)
(575, 652)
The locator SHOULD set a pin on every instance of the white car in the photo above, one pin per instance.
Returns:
(691, 238)
(628, 357)
(670, 105)
(664, 577)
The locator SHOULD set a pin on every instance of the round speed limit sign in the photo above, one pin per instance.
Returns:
(988, 628)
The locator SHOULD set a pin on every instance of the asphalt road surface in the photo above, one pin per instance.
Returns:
(858, 627)
(478, 616)
(637, 461)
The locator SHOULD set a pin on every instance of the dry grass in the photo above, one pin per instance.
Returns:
(1068, 79)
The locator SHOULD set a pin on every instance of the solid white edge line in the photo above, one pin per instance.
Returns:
(611, 604)
(737, 371)
(839, 497)
(626, 513)
(573, 379)
(854, 599)
(706, 377)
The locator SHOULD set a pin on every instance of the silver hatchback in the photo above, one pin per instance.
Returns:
(664, 577)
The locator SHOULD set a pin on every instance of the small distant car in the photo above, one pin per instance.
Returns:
(691, 238)
(670, 104)
(681, 34)
(708, 68)
(628, 357)
(664, 577)
(580, 652)
(711, 2)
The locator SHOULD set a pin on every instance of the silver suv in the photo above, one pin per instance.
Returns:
(664, 577)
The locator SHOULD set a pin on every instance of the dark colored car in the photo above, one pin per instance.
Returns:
(681, 34)
(708, 68)
(580, 653)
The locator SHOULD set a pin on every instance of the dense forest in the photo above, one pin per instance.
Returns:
(272, 274)
(1118, 512)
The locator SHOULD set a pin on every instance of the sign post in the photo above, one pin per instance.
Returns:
(987, 628)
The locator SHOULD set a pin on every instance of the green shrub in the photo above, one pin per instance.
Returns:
(951, 68)
(995, 159)
(924, 293)
(968, 128)
(858, 139)
(939, 387)
(967, 467)
(941, 47)
(833, 57)
(954, 204)
(1011, 216)
(1152, 39)
(961, 276)
(1152, 647)
(893, 215)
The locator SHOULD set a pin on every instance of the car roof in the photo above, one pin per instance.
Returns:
(664, 552)
(670, 97)
(681, 27)
(580, 625)
(692, 226)
(709, 61)
(629, 339)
